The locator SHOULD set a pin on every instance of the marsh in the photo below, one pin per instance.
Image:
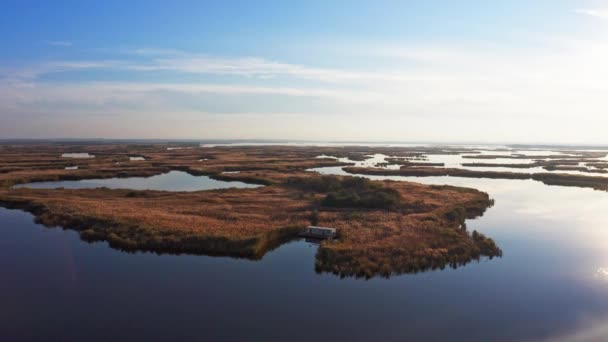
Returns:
(552, 264)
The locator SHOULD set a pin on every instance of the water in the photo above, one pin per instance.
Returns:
(553, 277)
(456, 161)
(171, 181)
(178, 148)
(78, 155)
(551, 283)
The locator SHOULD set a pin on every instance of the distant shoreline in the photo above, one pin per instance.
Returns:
(291, 142)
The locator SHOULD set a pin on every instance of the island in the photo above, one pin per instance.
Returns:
(383, 227)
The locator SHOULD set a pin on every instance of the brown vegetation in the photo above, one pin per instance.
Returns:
(563, 155)
(550, 165)
(406, 162)
(507, 165)
(384, 227)
(598, 183)
(598, 165)
(573, 168)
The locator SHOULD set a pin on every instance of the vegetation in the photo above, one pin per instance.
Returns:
(383, 198)
(513, 166)
(573, 168)
(350, 192)
(407, 162)
(432, 171)
(597, 183)
(562, 179)
(563, 155)
(550, 165)
(435, 246)
(598, 165)
(385, 227)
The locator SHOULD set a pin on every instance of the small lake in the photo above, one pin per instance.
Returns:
(171, 181)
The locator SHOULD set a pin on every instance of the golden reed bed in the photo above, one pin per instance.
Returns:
(417, 228)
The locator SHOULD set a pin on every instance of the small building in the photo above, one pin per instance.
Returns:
(317, 232)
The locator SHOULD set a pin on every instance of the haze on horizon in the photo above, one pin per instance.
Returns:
(444, 71)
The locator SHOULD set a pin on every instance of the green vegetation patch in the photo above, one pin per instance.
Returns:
(350, 192)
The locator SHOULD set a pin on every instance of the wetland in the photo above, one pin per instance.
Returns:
(443, 244)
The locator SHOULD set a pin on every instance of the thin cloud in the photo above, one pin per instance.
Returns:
(32, 72)
(250, 67)
(58, 43)
(254, 67)
(598, 13)
(96, 92)
(414, 81)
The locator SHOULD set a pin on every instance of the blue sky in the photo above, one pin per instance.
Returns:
(487, 71)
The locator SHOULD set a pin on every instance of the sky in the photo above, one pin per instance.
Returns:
(504, 71)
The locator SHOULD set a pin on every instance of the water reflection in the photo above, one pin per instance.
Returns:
(171, 181)
(539, 289)
(602, 273)
(552, 237)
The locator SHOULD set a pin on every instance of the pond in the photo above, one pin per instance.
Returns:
(171, 181)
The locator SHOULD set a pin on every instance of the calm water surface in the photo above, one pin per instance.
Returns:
(78, 155)
(171, 181)
(550, 284)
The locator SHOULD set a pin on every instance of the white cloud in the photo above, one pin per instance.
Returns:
(254, 67)
(545, 90)
(598, 13)
(33, 72)
(96, 92)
